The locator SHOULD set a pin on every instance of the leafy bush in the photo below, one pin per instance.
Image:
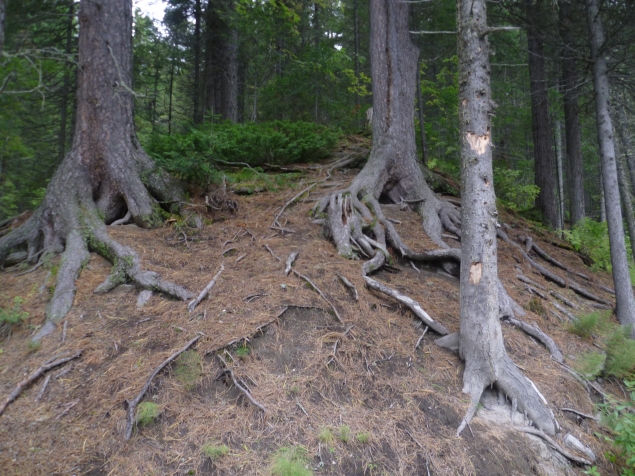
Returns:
(147, 413)
(191, 156)
(620, 418)
(12, 316)
(214, 451)
(291, 462)
(513, 189)
(620, 352)
(587, 324)
(189, 367)
(590, 364)
(592, 238)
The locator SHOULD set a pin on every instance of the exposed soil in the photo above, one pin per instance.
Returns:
(309, 371)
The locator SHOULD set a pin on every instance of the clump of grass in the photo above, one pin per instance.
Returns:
(325, 436)
(535, 305)
(590, 364)
(214, 451)
(33, 347)
(147, 413)
(189, 367)
(588, 324)
(10, 317)
(363, 438)
(291, 462)
(620, 353)
(344, 434)
(294, 390)
(242, 352)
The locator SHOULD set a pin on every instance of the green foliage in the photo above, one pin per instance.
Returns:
(147, 413)
(587, 324)
(33, 346)
(189, 367)
(592, 238)
(514, 189)
(590, 364)
(344, 434)
(363, 438)
(619, 357)
(214, 451)
(291, 462)
(325, 436)
(13, 316)
(620, 418)
(191, 156)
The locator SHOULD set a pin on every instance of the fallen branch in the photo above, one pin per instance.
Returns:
(276, 223)
(421, 338)
(50, 364)
(290, 260)
(132, 405)
(272, 253)
(409, 303)
(41, 392)
(337, 314)
(554, 445)
(247, 393)
(569, 303)
(349, 285)
(571, 410)
(201, 296)
(67, 409)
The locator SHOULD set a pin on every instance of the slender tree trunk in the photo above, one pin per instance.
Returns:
(619, 262)
(230, 80)
(242, 73)
(3, 10)
(571, 115)
(558, 141)
(170, 95)
(197, 116)
(61, 147)
(422, 131)
(356, 47)
(626, 140)
(481, 339)
(544, 164)
(627, 203)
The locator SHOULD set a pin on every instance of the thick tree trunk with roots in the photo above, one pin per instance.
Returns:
(105, 175)
(619, 260)
(392, 171)
(481, 340)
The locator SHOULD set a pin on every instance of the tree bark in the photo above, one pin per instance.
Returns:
(105, 175)
(197, 111)
(627, 203)
(559, 168)
(571, 115)
(481, 339)
(422, 130)
(61, 147)
(3, 11)
(619, 262)
(544, 165)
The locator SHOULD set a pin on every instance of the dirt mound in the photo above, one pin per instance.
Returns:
(358, 397)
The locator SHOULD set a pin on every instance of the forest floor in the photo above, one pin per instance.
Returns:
(351, 398)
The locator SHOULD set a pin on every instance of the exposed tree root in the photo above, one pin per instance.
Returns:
(132, 404)
(201, 296)
(310, 283)
(537, 333)
(351, 287)
(48, 365)
(555, 446)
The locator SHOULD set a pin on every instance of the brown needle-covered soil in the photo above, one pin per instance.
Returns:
(309, 371)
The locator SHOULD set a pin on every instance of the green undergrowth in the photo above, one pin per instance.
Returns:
(213, 451)
(617, 358)
(189, 367)
(291, 461)
(619, 417)
(197, 155)
(12, 316)
(147, 413)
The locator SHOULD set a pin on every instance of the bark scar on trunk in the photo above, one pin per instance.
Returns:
(478, 143)
(476, 271)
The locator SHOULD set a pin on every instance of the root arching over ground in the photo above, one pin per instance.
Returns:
(72, 220)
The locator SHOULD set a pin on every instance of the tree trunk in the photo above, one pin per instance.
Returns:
(619, 262)
(627, 203)
(61, 147)
(571, 115)
(230, 78)
(3, 11)
(558, 140)
(422, 129)
(197, 111)
(105, 175)
(544, 165)
(481, 339)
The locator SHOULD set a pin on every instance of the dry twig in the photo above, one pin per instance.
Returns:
(48, 365)
(290, 260)
(201, 296)
(349, 285)
(132, 404)
(571, 410)
(554, 445)
(337, 314)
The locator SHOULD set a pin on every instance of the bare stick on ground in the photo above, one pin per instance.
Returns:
(276, 224)
(301, 276)
(192, 305)
(290, 260)
(272, 253)
(132, 404)
(247, 393)
(351, 287)
(421, 338)
(584, 415)
(43, 389)
(34, 376)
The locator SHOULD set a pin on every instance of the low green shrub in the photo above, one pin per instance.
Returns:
(619, 417)
(213, 451)
(147, 413)
(189, 367)
(587, 324)
(291, 461)
(325, 436)
(592, 238)
(363, 438)
(12, 316)
(344, 434)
